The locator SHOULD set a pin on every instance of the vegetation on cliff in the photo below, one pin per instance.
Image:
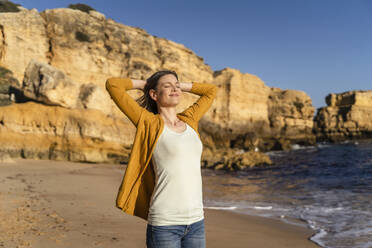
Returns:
(82, 7)
(8, 6)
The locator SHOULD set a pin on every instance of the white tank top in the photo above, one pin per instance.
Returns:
(177, 198)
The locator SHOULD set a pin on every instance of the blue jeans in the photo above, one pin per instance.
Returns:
(176, 236)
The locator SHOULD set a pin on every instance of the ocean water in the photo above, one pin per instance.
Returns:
(328, 186)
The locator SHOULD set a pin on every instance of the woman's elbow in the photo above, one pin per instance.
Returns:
(109, 83)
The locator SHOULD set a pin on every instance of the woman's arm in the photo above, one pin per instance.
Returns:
(117, 88)
(207, 93)
(138, 84)
(185, 86)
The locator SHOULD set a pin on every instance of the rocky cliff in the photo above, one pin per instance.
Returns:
(56, 102)
(348, 115)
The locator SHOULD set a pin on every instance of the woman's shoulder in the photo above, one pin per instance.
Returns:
(151, 117)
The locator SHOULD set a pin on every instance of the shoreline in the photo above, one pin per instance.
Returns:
(47, 203)
(283, 234)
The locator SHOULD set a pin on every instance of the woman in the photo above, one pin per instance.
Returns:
(162, 183)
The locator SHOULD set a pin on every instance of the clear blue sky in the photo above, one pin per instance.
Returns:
(318, 46)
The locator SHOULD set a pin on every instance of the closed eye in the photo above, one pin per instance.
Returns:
(168, 86)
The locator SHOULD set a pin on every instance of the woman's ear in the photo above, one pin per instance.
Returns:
(153, 94)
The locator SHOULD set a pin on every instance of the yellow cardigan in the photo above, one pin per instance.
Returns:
(139, 179)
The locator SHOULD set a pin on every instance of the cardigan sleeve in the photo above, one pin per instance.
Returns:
(117, 88)
(207, 93)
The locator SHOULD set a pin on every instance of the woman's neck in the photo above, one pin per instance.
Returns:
(170, 117)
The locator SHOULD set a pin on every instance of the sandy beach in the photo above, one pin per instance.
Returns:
(63, 204)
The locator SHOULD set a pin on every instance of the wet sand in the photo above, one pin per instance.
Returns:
(63, 204)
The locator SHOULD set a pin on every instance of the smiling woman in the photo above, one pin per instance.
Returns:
(162, 183)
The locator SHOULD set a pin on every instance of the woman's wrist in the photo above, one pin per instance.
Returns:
(186, 86)
(138, 84)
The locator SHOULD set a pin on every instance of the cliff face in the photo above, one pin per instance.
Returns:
(22, 37)
(347, 116)
(89, 47)
(63, 58)
(32, 130)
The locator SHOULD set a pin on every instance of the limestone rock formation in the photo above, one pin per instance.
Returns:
(233, 159)
(247, 114)
(48, 85)
(45, 84)
(7, 81)
(291, 117)
(94, 97)
(89, 48)
(6, 158)
(22, 37)
(347, 116)
(64, 56)
(37, 131)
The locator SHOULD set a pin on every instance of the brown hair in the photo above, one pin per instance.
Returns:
(151, 83)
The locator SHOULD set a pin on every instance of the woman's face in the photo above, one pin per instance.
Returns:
(168, 92)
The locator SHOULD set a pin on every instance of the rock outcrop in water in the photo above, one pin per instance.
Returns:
(347, 116)
(291, 117)
(61, 110)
